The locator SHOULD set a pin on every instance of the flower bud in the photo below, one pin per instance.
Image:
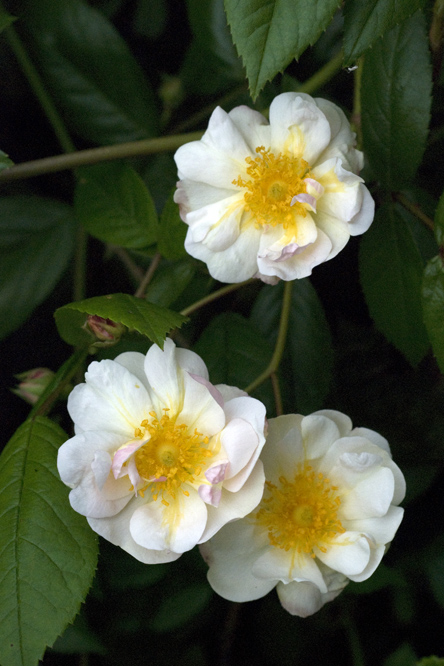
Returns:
(33, 383)
(106, 331)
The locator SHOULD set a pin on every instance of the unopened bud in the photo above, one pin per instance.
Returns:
(107, 332)
(32, 383)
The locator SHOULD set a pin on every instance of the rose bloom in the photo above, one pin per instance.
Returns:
(328, 512)
(272, 200)
(161, 458)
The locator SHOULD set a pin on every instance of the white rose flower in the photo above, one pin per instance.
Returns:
(329, 510)
(272, 200)
(161, 458)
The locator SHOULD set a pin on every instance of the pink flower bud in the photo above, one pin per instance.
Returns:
(106, 331)
(33, 383)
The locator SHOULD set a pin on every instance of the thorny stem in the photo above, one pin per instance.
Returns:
(280, 342)
(415, 210)
(140, 148)
(214, 296)
(140, 292)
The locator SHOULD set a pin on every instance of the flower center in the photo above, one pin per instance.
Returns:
(301, 514)
(274, 182)
(171, 457)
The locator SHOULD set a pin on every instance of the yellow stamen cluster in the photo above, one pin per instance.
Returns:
(274, 181)
(171, 453)
(301, 514)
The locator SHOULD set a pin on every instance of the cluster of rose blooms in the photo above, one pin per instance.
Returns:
(162, 460)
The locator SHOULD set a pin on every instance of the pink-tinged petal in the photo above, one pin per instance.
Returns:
(298, 127)
(381, 529)
(237, 505)
(318, 433)
(216, 474)
(301, 599)
(210, 494)
(101, 467)
(112, 400)
(117, 531)
(350, 554)
(302, 263)
(123, 455)
(305, 199)
(214, 392)
(314, 187)
(288, 566)
(176, 527)
(231, 555)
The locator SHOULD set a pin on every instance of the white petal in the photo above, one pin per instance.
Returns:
(372, 436)
(218, 224)
(200, 411)
(284, 449)
(336, 230)
(231, 554)
(192, 196)
(101, 467)
(210, 494)
(230, 392)
(93, 502)
(134, 362)
(301, 599)
(223, 134)
(342, 420)
(300, 265)
(381, 529)
(349, 554)
(376, 555)
(318, 432)
(370, 498)
(190, 361)
(364, 217)
(177, 527)
(252, 125)
(288, 566)
(113, 399)
(116, 530)
(298, 126)
(76, 455)
(201, 163)
(342, 140)
(234, 264)
(236, 505)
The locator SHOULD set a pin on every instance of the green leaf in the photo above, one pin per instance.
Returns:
(439, 222)
(172, 232)
(148, 319)
(36, 244)
(365, 22)
(235, 353)
(269, 35)
(90, 72)
(5, 162)
(48, 554)
(114, 205)
(391, 275)
(310, 356)
(181, 607)
(396, 98)
(169, 282)
(433, 306)
(5, 21)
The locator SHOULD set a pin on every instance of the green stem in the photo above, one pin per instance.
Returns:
(280, 342)
(356, 115)
(277, 394)
(415, 210)
(140, 293)
(323, 75)
(95, 155)
(214, 296)
(38, 88)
